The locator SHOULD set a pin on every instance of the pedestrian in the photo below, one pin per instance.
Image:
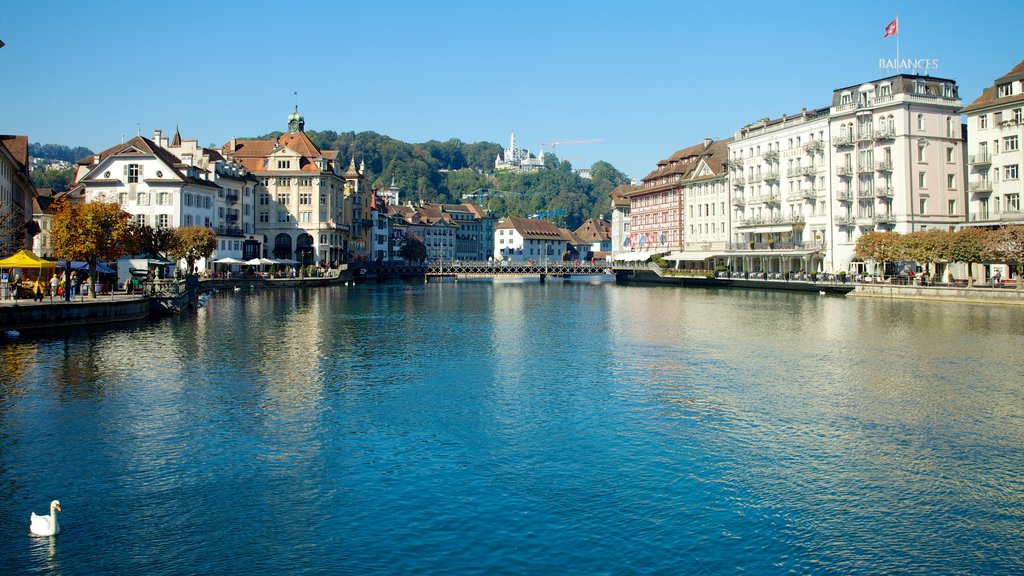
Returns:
(38, 289)
(74, 286)
(54, 282)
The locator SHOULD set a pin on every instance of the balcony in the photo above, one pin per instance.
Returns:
(883, 166)
(755, 179)
(771, 156)
(795, 219)
(865, 136)
(813, 146)
(767, 199)
(846, 221)
(865, 221)
(844, 196)
(883, 192)
(228, 231)
(739, 181)
(839, 141)
(980, 187)
(1010, 216)
(865, 168)
(810, 170)
(771, 175)
(884, 134)
(737, 162)
(231, 218)
(869, 193)
(739, 202)
(979, 159)
(884, 219)
(809, 194)
(845, 171)
(232, 198)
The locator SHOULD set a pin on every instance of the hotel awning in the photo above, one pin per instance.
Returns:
(692, 256)
(635, 256)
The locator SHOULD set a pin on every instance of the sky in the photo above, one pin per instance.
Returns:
(644, 78)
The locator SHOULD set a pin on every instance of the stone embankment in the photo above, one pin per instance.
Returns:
(1006, 295)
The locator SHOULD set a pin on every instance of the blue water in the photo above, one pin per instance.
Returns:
(521, 428)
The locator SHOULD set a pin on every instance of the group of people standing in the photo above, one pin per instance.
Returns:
(40, 287)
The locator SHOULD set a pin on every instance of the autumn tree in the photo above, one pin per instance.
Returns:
(1007, 245)
(881, 247)
(926, 247)
(192, 243)
(91, 232)
(968, 246)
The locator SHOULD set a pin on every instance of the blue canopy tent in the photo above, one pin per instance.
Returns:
(79, 265)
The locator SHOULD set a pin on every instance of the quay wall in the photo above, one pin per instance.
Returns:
(1003, 296)
(46, 316)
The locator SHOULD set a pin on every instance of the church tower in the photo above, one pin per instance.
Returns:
(296, 123)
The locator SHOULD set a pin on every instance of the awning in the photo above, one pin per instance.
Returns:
(79, 265)
(25, 259)
(768, 228)
(694, 256)
(228, 260)
(260, 262)
(635, 256)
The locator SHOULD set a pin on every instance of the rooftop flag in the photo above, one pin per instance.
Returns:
(892, 28)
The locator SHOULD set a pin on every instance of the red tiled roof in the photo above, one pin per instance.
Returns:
(595, 230)
(18, 147)
(146, 147)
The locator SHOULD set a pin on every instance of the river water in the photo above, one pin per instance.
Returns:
(521, 428)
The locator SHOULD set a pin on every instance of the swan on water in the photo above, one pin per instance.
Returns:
(45, 525)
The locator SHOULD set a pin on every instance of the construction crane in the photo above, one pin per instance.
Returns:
(554, 143)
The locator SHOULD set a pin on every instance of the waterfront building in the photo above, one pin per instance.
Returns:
(575, 247)
(307, 209)
(707, 218)
(235, 203)
(897, 160)
(518, 159)
(380, 238)
(486, 222)
(619, 208)
(148, 182)
(995, 131)
(596, 234)
(468, 231)
(657, 210)
(16, 194)
(431, 225)
(779, 174)
(525, 239)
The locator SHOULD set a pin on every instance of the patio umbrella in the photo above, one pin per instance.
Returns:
(228, 260)
(287, 261)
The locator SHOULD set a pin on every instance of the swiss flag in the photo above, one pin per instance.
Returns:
(892, 28)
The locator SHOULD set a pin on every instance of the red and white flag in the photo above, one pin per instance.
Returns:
(892, 28)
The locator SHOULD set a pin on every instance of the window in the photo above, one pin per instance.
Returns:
(950, 154)
(1005, 90)
(947, 90)
(163, 221)
(949, 126)
(284, 164)
(920, 153)
(1010, 143)
(922, 179)
(140, 219)
(281, 181)
(143, 198)
(952, 207)
(282, 217)
(305, 199)
(983, 121)
(1013, 202)
(264, 217)
(188, 220)
(284, 199)
(924, 206)
(920, 121)
(919, 87)
(1010, 172)
(122, 198)
(163, 199)
(323, 199)
(885, 90)
(305, 217)
(132, 172)
(951, 181)
(1017, 116)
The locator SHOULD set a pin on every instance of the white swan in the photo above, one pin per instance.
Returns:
(45, 525)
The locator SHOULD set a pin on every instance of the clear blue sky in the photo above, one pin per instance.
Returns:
(648, 78)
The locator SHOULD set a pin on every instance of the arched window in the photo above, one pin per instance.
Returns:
(920, 121)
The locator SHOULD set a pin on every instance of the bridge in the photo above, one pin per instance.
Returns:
(484, 269)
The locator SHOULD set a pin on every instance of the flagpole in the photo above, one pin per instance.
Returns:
(898, 66)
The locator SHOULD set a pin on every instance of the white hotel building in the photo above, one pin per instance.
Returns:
(897, 159)
(995, 130)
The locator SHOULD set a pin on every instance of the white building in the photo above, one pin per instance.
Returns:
(897, 159)
(780, 195)
(995, 130)
(16, 193)
(518, 159)
(149, 183)
(620, 218)
(524, 239)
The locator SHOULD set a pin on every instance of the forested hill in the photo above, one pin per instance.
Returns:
(58, 152)
(449, 171)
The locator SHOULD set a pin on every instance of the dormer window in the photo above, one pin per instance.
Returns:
(947, 90)
(919, 87)
(284, 164)
(845, 98)
(1005, 90)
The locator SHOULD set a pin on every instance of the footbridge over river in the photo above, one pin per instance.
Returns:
(485, 269)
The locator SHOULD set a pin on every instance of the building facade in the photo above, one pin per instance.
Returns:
(995, 131)
(897, 159)
(16, 194)
(528, 239)
(518, 159)
(619, 208)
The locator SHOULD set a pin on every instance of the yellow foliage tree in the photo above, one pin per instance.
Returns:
(192, 243)
(91, 232)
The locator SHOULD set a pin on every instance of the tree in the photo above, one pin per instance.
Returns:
(412, 249)
(157, 241)
(966, 245)
(1007, 245)
(926, 246)
(880, 247)
(192, 243)
(91, 232)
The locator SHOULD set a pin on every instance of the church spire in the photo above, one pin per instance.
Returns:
(176, 141)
